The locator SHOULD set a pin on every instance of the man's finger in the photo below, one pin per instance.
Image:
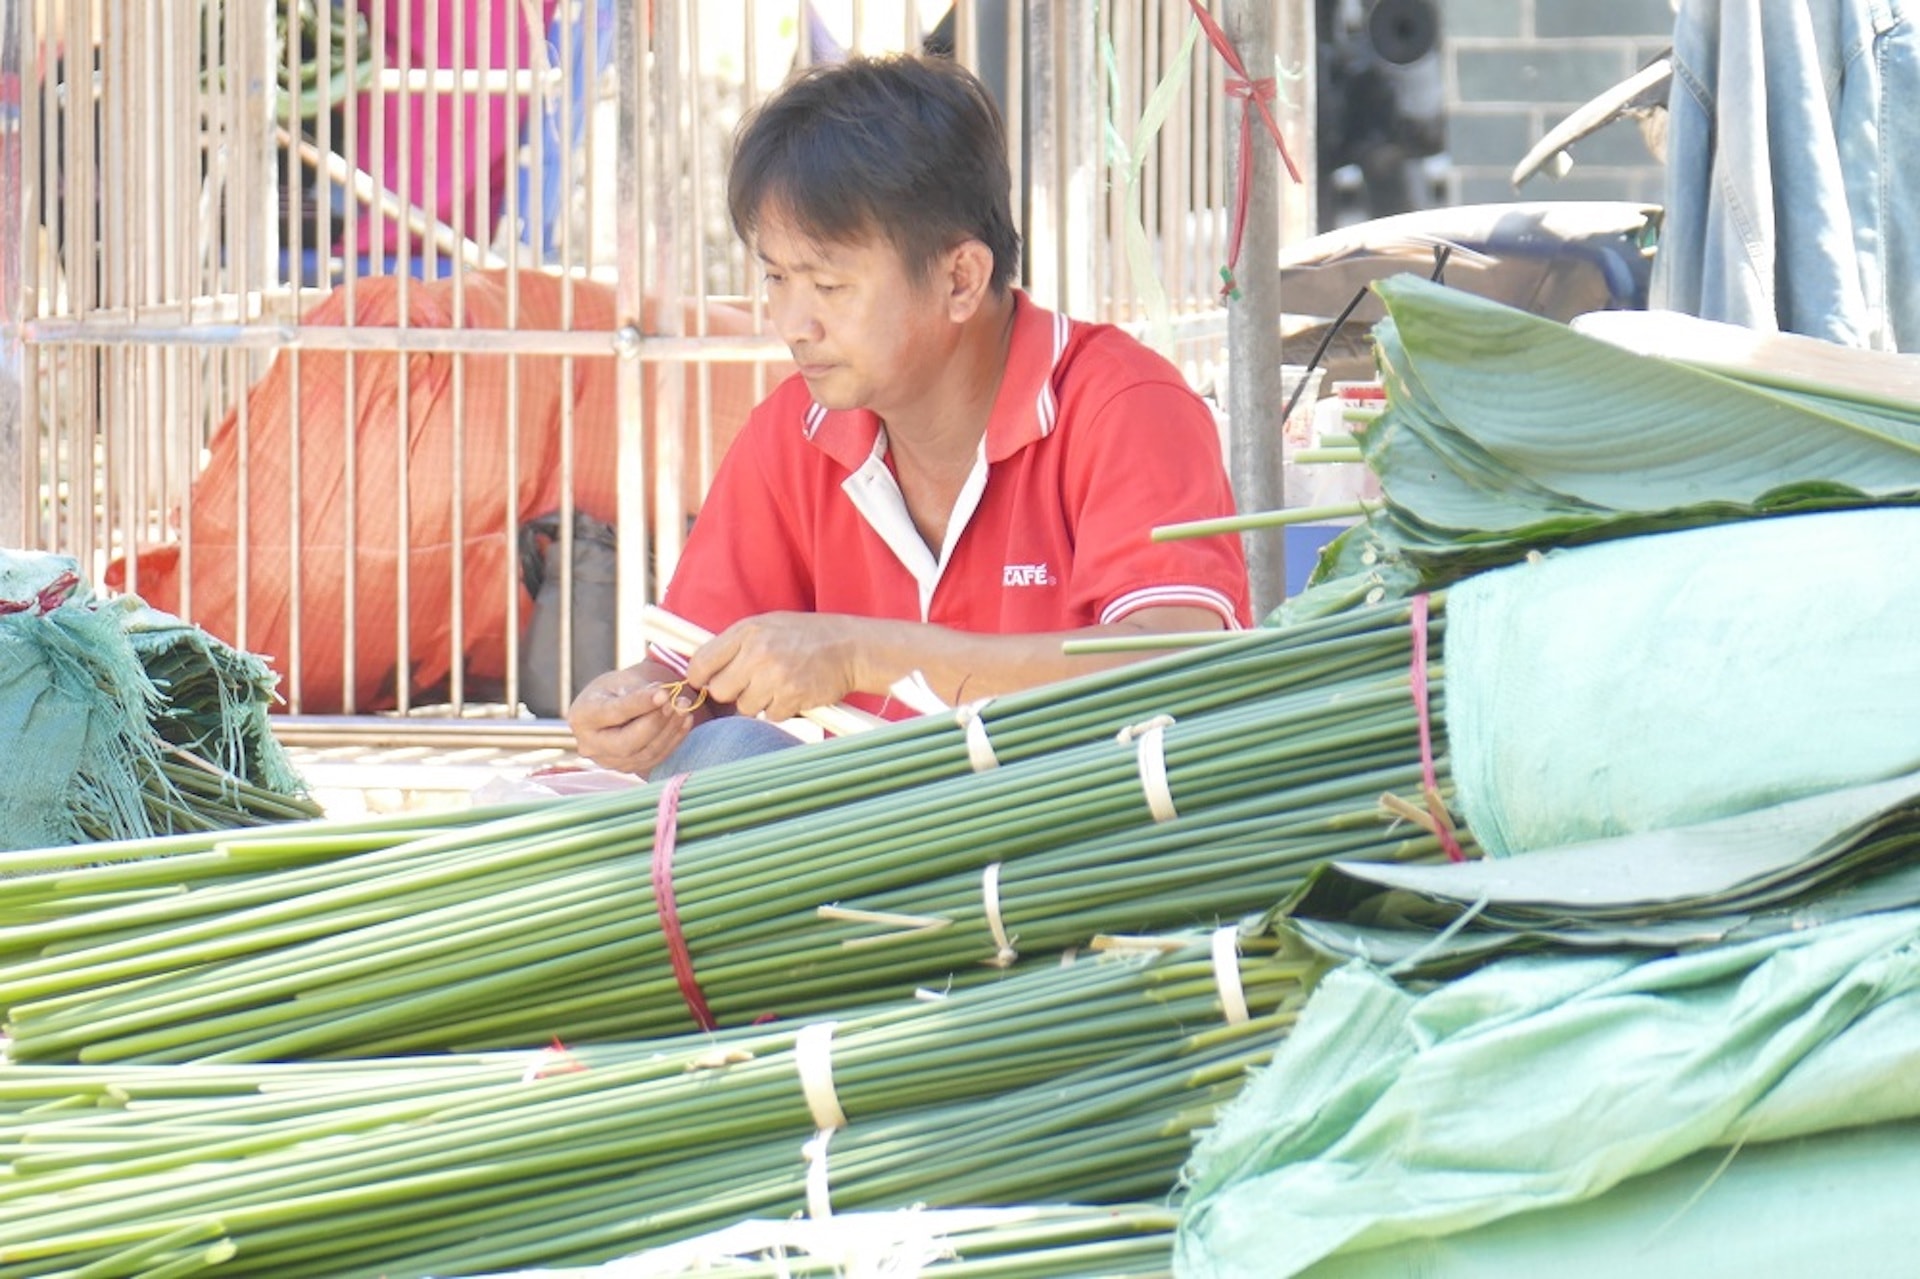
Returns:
(616, 706)
(638, 744)
(713, 657)
(725, 681)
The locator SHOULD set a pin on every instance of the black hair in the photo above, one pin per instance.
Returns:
(910, 147)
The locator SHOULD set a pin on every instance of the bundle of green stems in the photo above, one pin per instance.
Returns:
(186, 793)
(218, 766)
(809, 880)
(1046, 1241)
(1082, 1082)
(1190, 681)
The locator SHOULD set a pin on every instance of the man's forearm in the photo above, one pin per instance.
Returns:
(780, 664)
(965, 666)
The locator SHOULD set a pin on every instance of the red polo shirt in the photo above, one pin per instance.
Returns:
(1093, 441)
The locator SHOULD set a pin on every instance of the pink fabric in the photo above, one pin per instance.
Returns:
(492, 131)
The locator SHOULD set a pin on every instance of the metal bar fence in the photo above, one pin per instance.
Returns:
(332, 324)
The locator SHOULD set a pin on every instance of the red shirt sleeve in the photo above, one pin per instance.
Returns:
(743, 556)
(1148, 454)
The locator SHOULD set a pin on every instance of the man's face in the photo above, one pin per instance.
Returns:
(863, 332)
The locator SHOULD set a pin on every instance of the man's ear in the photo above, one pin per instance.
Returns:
(967, 277)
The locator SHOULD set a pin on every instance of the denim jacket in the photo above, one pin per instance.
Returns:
(1793, 169)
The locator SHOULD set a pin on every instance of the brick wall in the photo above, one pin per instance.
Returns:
(1515, 68)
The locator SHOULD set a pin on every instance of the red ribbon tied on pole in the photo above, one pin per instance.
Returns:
(1252, 95)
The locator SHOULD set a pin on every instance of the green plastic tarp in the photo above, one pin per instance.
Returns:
(1544, 1081)
(1837, 1203)
(1659, 681)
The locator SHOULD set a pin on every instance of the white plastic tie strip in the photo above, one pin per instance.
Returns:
(872, 1243)
(819, 1188)
(1150, 750)
(914, 692)
(979, 749)
(990, 897)
(813, 1059)
(1226, 975)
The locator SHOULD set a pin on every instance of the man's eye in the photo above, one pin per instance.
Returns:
(827, 288)
(772, 279)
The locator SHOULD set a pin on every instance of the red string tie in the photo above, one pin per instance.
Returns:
(666, 825)
(555, 1059)
(51, 596)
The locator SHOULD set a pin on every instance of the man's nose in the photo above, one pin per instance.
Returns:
(794, 318)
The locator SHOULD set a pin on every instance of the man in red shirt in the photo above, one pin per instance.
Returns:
(955, 480)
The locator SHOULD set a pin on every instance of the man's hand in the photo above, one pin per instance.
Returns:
(630, 719)
(780, 664)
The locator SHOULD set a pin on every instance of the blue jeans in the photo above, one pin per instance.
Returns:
(722, 740)
(1793, 199)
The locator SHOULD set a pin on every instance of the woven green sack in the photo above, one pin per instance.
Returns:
(124, 723)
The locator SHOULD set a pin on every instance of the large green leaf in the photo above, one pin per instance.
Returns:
(1774, 869)
(1507, 433)
(1581, 417)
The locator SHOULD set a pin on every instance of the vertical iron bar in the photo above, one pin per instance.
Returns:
(1296, 110)
(1080, 149)
(669, 225)
(157, 164)
(1119, 109)
(292, 273)
(700, 280)
(74, 470)
(322, 176)
(350, 241)
(117, 483)
(750, 281)
(404, 249)
(1045, 269)
(633, 43)
(428, 196)
(28, 259)
(572, 54)
(1019, 155)
(1253, 324)
(529, 100)
(17, 191)
(1175, 223)
(196, 174)
(462, 189)
(518, 117)
(585, 168)
(233, 238)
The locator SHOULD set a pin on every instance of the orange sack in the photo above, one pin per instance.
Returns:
(499, 495)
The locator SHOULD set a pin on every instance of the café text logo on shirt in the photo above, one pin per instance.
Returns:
(1027, 575)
